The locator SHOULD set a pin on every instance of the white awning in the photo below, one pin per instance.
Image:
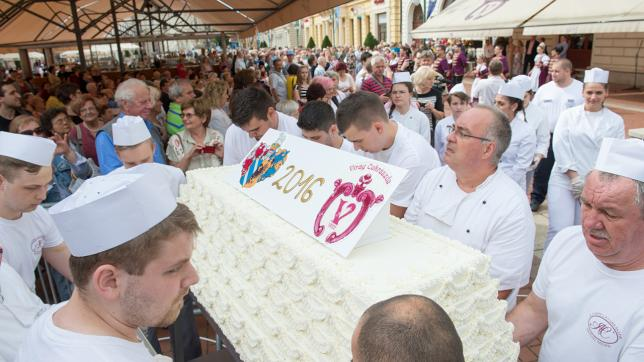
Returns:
(575, 17)
(476, 19)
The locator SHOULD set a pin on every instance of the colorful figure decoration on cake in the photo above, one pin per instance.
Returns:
(263, 162)
(363, 197)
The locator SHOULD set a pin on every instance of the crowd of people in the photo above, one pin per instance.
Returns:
(106, 157)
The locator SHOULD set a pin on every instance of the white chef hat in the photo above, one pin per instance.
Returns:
(107, 211)
(402, 77)
(596, 75)
(622, 157)
(524, 82)
(457, 88)
(512, 89)
(172, 176)
(130, 131)
(32, 149)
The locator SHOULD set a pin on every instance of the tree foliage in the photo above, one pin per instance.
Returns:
(326, 42)
(370, 41)
(311, 43)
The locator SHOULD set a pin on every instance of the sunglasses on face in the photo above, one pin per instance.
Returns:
(40, 132)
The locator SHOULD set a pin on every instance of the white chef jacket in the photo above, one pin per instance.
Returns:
(413, 153)
(518, 156)
(577, 139)
(495, 219)
(23, 240)
(237, 142)
(440, 136)
(487, 89)
(553, 100)
(414, 120)
(536, 118)
(595, 313)
(47, 342)
(19, 308)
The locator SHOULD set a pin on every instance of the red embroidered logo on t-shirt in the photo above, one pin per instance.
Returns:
(603, 330)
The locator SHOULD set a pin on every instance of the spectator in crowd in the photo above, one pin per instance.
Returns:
(253, 113)
(401, 109)
(498, 55)
(302, 84)
(363, 121)
(25, 124)
(180, 91)
(277, 81)
(321, 67)
(331, 95)
(291, 81)
(216, 96)
(34, 105)
(378, 83)
(429, 99)
(346, 83)
(529, 54)
(157, 114)
(459, 64)
(462, 200)
(564, 45)
(10, 104)
(317, 122)
(290, 108)
(458, 102)
(316, 92)
(406, 328)
(165, 88)
(487, 89)
(539, 72)
(517, 57)
(83, 135)
(67, 93)
(441, 64)
(133, 97)
(587, 296)
(364, 70)
(197, 146)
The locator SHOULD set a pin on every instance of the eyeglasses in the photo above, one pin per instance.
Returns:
(187, 115)
(37, 132)
(460, 134)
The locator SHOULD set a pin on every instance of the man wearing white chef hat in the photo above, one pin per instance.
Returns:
(402, 110)
(135, 148)
(131, 244)
(26, 230)
(588, 292)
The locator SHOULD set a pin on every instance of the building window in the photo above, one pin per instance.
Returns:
(382, 27)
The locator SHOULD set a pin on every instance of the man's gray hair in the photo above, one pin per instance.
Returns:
(498, 132)
(639, 188)
(176, 88)
(322, 60)
(377, 59)
(126, 90)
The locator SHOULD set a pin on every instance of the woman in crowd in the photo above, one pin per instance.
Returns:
(158, 115)
(24, 124)
(197, 146)
(480, 72)
(291, 81)
(330, 88)
(517, 57)
(576, 141)
(430, 100)
(302, 84)
(346, 84)
(216, 97)
(459, 64)
(539, 72)
(518, 156)
(83, 135)
(458, 102)
(402, 110)
(316, 92)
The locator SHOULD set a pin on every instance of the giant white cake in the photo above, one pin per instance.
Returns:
(279, 295)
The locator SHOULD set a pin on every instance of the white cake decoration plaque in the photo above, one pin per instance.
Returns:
(336, 197)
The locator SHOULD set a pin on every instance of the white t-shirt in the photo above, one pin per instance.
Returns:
(47, 342)
(537, 120)
(577, 139)
(347, 146)
(413, 153)
(238, 143)
(346, 84)
(414, 120)
(494, 219)
(23, 240)
(553, 100)
(19, 308)
(440, 136)
(487, 89)
(219, 120)
(594, 313)
(518, 156)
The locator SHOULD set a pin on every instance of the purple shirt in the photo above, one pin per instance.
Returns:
(459, 64)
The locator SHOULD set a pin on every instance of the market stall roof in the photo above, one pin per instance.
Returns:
(29, 23)
(573, 17)
(476, 19)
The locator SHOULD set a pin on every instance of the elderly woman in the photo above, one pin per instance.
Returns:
(68, 165)
(216, 97)
(197, 146)
(24, 124)
(430, 100)
(346, 83)
(331, 91)
(83, 135)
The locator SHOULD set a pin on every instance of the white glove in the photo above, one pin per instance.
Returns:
(577, 187)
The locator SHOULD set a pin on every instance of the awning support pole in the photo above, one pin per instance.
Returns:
(78, 33)
(115, 27)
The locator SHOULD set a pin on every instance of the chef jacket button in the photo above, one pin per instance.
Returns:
(468, 230)
(484, 202)
(441, 186)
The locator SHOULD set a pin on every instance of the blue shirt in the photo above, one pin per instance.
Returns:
(107, 157)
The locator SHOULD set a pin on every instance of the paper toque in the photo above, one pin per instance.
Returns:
(32, 149)
(457, 88)
(402, 77)
(512, 89)
(596, 75)
(525, 82)
(107, 211)
(130, 131)
(622, 157)
(172, 176)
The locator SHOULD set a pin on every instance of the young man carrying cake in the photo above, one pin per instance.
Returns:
(362, 119)
(472, 200)
(253, 113)
(131, 269)
(587, 296)
(317, 122)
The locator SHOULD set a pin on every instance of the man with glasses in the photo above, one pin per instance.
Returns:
(471, 200)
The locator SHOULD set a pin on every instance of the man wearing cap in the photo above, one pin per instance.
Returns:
(253, 113)
(363, 120)
(26, 230)
(472, 200)
(289, 60)
(576, 142)
(133, 97)
(553, 98)
(587, 296)
(131, 245)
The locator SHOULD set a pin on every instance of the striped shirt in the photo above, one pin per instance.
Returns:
(371, 84)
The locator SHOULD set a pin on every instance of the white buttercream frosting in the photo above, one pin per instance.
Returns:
(278, 294)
